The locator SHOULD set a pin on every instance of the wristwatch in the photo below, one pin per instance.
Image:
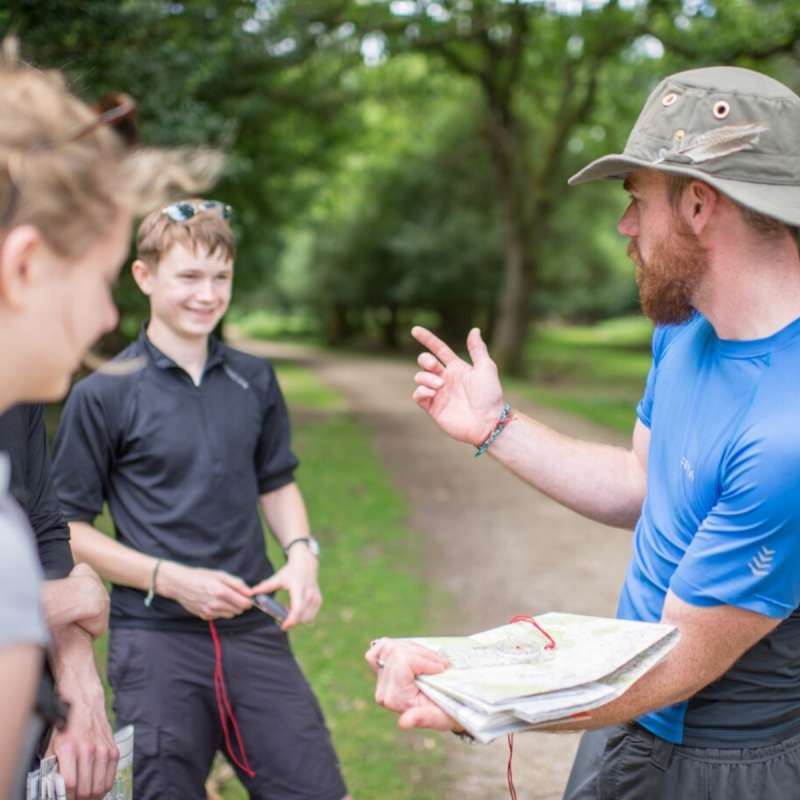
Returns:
(313, 545)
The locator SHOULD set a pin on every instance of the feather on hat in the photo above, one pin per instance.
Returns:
(735, 129)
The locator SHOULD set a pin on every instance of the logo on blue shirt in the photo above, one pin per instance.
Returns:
(761, 563)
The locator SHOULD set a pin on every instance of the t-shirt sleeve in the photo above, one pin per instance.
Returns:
(662, 338)
(83, 454)
(274, 460)
(21, 617)
(747, 550)
(44, 511)
(645, 407)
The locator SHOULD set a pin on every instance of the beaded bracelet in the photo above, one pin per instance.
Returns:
(505, 419)
(152, 591)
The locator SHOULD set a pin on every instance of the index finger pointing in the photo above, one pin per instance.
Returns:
(434, 344)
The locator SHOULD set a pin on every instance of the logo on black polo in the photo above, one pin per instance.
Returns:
(235, 376)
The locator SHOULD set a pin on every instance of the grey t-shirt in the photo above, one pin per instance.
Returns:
(21, 617)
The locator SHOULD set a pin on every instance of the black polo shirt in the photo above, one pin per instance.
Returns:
(24, 438)
(181, 467)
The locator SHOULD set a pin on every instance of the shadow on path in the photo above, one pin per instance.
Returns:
(494, 545)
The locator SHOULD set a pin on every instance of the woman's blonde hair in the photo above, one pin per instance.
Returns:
(72, 188)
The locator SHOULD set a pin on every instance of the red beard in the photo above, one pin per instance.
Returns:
(669, 279)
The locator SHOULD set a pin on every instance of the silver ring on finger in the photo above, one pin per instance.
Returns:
(380, 663)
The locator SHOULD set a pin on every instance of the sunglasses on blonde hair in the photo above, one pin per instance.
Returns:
(185, 210)
(117, 110)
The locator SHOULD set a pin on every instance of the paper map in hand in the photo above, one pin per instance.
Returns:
(503, 679)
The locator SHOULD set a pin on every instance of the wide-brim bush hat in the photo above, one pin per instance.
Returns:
(735, 129)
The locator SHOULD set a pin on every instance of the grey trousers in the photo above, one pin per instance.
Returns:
(164, 686)
(626, 762)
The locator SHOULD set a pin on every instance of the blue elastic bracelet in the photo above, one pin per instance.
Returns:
(498, 429)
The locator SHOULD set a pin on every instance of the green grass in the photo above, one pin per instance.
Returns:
(619, 332)
(265, 324)
(597, 372)
(369, 590)
(594, 371)
(304, 392)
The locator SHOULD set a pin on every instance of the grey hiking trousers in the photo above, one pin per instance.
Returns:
(627, 762)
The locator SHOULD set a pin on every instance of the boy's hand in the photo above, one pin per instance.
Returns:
(299, 578)
(206, 593)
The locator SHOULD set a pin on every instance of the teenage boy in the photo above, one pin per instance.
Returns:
(184, 450)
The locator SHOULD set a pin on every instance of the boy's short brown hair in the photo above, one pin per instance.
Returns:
(207, 229)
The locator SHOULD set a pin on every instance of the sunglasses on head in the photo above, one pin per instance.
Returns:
(117, 110)
(183, 211)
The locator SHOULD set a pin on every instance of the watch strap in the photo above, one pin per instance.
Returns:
(305, 540)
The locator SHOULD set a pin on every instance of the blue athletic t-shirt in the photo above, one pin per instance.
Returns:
(720, 524)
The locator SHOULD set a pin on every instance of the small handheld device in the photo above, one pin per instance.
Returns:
(271, 606)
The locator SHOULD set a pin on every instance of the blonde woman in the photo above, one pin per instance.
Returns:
(70, 187)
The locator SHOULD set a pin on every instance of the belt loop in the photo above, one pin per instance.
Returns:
(661, 753)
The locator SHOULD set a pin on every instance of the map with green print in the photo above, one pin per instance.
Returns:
(504, 679)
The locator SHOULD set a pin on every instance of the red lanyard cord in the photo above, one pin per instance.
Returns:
(224, 706)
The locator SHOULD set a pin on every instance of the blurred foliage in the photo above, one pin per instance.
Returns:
(418, 229)
(211, 73)
(544, 74)
(396, 157)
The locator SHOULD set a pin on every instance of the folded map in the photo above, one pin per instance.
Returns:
(504, 679)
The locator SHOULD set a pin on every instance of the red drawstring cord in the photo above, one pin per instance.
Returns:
(551, 645)
(224, 706)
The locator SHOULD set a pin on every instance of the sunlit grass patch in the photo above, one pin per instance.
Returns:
(304, 392)
(265, 324)
(598, 372)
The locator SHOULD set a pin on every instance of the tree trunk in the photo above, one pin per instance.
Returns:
(508, 342)
(389, 327)
(337, 325)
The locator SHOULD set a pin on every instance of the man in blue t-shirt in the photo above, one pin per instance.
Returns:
(711, 482)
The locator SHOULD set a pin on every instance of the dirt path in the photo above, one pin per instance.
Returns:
(497, 547)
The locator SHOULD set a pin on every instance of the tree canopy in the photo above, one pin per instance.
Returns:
(397, 158)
